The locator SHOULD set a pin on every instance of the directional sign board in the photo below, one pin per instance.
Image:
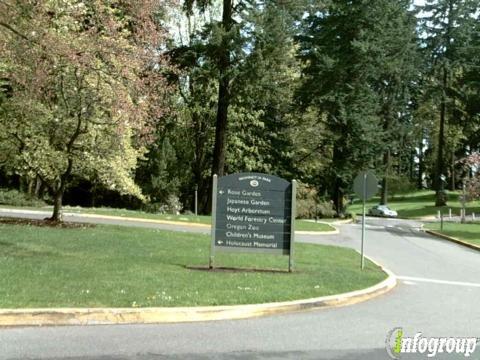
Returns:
(253, 212)
(365, 185)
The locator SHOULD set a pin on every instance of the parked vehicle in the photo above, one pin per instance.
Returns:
(382, 210)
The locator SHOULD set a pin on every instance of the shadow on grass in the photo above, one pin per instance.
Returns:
(412, 198)
(237, 269)
(19, 251)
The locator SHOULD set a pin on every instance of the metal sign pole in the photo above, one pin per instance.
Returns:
(196, 200)
(214, 221)
(292, 225)
(441, 220)
(363, 218)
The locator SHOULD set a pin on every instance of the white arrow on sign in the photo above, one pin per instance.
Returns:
(219, 242)
(221, 192)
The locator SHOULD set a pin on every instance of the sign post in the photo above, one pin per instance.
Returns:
(365, 186)
(463, 200)
(253, 212)
(214, 221)
(196, 200)
(292, 225)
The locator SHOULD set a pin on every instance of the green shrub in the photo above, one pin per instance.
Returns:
(306, 200)
(309, 206)
(18, 198)
(171, 206)
(399, 185)
(325, 209)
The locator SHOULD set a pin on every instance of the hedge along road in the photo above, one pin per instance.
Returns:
(437, 295)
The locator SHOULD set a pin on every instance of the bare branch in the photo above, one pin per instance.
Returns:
(14, 31)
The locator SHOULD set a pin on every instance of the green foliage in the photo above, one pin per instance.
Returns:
(349, 51)
(85, 107)
(450, 44)
(309, 206)
(261, 124)
(398, 185)
(157, 174)
(263, 72)
(315, 90)
(325, 209)
(306, 202)
(170, 205)
(17, 198)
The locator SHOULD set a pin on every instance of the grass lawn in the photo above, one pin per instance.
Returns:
(303, 225)
(418, 204)
(300, 225)
(109, 266)
(469, 232)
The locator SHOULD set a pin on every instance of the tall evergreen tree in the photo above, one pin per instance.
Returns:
(224, 32)
(261, 123)
(395, 48)
(446, 28)
(353, 74)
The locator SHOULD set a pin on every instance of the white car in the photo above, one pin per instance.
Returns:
(382, 210)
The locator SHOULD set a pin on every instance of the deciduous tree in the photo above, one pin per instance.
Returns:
(86, 89)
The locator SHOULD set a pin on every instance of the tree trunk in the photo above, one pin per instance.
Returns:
(384, 191)
(93, 192)
(452, 173)
(31, 186)
(23, 186)
(337, 197)
(439, 184)
(59, 190)
(38, 187)
(421, 167)
(411, 167)
(57, 206)
(219, 151)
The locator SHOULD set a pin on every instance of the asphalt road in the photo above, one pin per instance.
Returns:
(438, 294)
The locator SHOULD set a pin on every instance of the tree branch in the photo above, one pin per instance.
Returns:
(14, 31)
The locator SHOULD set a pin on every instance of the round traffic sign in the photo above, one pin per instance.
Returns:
(365, 185)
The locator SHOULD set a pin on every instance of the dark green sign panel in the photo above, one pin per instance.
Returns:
(253, 212)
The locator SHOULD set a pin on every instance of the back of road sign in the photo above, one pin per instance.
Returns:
(365, 185)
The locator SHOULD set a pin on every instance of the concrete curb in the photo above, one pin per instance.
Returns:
(342, 222)
(424, 218)
(142, 220)
(452, 239)
(333, 232)
(110, 316)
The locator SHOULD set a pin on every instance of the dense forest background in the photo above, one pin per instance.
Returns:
(109, 103)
